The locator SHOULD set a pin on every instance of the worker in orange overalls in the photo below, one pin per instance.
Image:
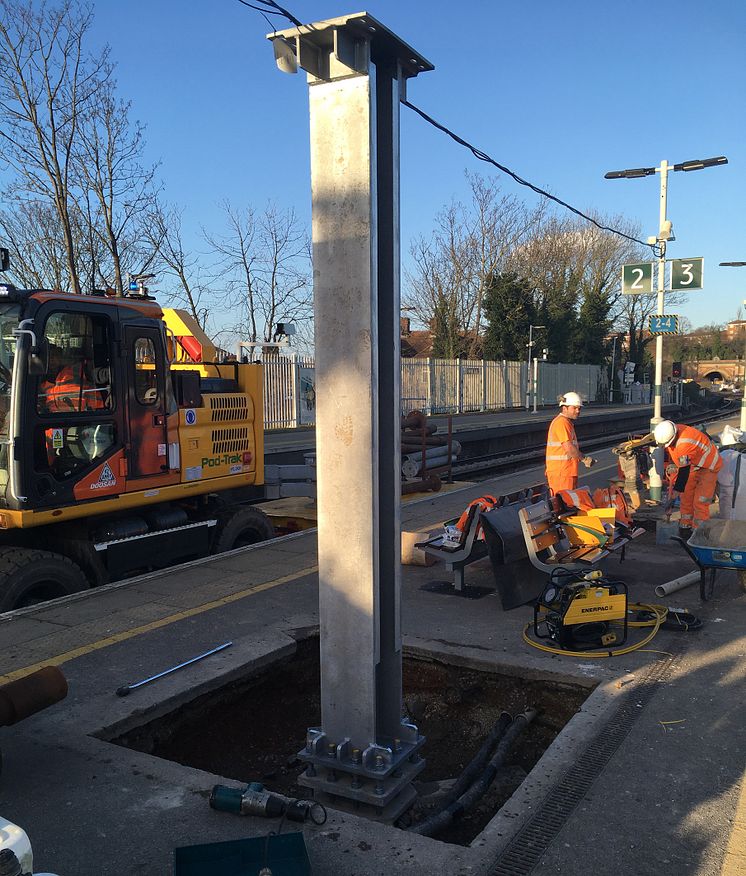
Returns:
(563, 454)
(70, 391)
(694, 454)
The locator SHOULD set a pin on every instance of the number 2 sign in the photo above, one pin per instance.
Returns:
(637, 279)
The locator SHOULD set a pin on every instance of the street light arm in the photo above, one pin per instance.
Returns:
(632, 173)
(701, 163)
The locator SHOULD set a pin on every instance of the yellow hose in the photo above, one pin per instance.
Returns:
(660, 612)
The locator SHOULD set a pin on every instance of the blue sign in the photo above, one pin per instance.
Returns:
(190, 417)
(667, 324)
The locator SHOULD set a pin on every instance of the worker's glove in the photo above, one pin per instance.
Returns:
(588, 461)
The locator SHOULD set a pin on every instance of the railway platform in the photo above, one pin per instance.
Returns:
(654, 756)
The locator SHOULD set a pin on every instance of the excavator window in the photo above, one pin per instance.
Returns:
(77, 382)
(146, 375)
(78, 370)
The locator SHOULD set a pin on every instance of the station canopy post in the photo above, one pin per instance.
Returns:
(366, 752)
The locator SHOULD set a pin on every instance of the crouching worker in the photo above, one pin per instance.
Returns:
(563, 454)
(697, 462)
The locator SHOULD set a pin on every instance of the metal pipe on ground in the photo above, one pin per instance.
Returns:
(438, 822)
(434, 452)
(411, 440)
(676, 584)
(411, 468)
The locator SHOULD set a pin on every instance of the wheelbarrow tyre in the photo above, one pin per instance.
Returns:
(742, 579)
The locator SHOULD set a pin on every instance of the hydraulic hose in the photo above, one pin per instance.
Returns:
(657, 614)
(437, 822)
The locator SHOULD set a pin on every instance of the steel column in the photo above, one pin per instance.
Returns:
(364, 750)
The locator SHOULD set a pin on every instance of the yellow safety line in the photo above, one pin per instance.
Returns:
(154, 625)
(734, 862)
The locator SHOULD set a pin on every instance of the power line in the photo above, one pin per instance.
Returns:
(482, 156)
(276, 6)
(262, 12)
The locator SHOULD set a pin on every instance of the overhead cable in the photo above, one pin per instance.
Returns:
(482, 156)
(478, 153)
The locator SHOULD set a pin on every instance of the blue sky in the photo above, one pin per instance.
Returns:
(558, 92)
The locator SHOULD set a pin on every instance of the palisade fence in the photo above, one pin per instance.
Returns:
(435, 386)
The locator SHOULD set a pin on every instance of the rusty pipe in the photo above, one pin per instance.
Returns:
(414, 420)
(30, 694)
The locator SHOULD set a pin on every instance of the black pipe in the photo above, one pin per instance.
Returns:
(439, 821)
(477, 763)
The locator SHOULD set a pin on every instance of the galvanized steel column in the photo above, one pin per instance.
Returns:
(354, 111)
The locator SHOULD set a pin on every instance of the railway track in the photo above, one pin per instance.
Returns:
(492, 463)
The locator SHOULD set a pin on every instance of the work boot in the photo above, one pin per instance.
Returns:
(685, 532)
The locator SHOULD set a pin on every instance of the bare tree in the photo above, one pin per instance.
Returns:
(107, 154)
(38, 255)
(453, 269)
(168, 254)
(575, 268)
(46, 78)
(264, 266)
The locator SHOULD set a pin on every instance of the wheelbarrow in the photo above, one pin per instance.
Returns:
(717, 544)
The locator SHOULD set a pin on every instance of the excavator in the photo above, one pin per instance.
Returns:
(126, 443)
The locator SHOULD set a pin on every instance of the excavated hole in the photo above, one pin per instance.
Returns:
(253, 730)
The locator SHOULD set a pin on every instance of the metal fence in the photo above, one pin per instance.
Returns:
(436, 386)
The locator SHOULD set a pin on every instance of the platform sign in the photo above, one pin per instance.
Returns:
(667, 324)
(637, 279)
(686, 274)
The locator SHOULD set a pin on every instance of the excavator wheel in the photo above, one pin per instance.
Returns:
(28, 577)
(240, 528)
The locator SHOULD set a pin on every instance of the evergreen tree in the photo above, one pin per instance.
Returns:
(593, 325)
(447, 341)
(509, 311)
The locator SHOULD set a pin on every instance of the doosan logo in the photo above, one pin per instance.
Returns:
(105, 479)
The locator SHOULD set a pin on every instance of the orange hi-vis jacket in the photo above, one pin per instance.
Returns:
(580, 498)
(692, 447)
(559, 463)
(71, 392)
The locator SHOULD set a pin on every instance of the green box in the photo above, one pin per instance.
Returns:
(285, 854)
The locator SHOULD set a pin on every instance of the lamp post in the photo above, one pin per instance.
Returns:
(528, 363)
(742, 424)
(613, 363)
(665, 233)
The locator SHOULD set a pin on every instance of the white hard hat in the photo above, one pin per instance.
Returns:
(571, 399)
(664, 433)
(730, 435)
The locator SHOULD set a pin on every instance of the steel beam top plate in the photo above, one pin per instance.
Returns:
(343, 46)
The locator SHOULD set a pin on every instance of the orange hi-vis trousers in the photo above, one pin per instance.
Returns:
(697, 497)
(559, 480)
